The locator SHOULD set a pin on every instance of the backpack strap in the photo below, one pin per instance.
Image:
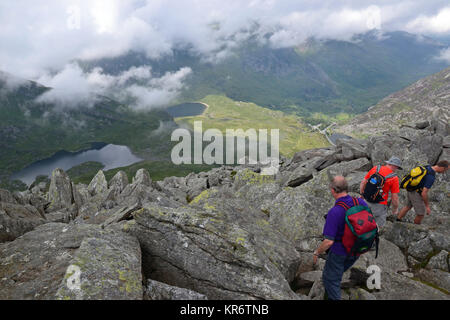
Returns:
(343, 205)
(389, 176)
(377, 242)
(392, 175)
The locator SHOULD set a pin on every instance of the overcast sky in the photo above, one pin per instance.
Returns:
(41, 37)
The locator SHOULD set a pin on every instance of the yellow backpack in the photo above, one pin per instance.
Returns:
(411, 181)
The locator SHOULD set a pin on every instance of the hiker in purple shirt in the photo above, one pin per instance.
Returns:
(338, 260)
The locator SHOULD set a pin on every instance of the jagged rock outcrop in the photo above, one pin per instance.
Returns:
(6, 196)
(60, 192)
(15, 218)
(98, 185)
(230, 233)
(116, 186)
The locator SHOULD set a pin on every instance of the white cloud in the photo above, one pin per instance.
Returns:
(11, 82)
(158, 92)
(43, 36)
(444, 55)
(438, 23)
(165, 127)
(72, 87)
(341, 24)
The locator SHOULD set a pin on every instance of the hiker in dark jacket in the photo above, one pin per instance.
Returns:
(418, 199)
(338, 260)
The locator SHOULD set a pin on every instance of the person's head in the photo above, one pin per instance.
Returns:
(441, 166)
(394, 164)
(338, 186)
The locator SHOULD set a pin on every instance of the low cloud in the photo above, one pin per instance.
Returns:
(341, 24)
(136, 87)
(43, 37)
(438, 23)
(444, 55)
(9, 82)
(165, 127)
(69, 88)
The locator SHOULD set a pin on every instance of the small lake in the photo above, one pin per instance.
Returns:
(111, 156)
(186, 110)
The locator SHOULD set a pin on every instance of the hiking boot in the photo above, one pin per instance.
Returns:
(391, 218)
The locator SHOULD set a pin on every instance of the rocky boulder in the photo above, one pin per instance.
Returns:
(60, 191)
(60, 261)
(117, 184)
(351, 149)
(17, 219)
(98, 185)
(399, 287)
(155, 290)
(205, 252)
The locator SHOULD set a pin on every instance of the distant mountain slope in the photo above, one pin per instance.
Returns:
(426, 99)
(318, 76)
(31, 131)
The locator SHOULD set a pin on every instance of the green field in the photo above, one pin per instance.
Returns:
(223, 113)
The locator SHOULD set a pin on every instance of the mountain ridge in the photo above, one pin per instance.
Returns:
(423, 101)
(327, 76)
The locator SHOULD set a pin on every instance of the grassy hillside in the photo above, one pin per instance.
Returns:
(223, 113)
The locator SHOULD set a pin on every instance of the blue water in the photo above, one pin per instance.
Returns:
(186, 110)
(111, 156)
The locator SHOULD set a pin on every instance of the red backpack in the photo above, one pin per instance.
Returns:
(361, 230)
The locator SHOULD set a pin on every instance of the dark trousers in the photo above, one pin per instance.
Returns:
(334, 269)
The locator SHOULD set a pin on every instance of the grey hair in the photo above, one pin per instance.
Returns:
(339, 184)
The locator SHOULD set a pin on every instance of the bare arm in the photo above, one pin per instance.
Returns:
(425, 196)
(425, 199)
(362, 186)
(395, 203)
(324, 246)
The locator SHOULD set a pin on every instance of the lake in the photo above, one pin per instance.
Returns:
(111, 156)
(186, 110)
